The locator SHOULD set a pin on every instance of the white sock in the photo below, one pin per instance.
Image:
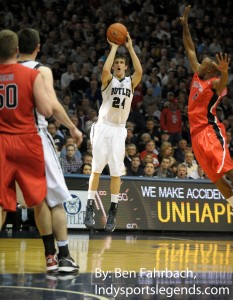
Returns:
(230, 201)
(91, 195)
(62, 243)
(114, 198)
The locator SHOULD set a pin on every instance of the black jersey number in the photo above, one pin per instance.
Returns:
(117, 102)
(9, 98)
(195, 96)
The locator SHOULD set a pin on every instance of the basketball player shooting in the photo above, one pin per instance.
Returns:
(109, 133)
(208, 135)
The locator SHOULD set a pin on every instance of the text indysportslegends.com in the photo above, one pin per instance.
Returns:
(111, 289)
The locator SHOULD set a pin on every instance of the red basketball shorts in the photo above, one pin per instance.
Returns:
(211, 152)
(21, 160)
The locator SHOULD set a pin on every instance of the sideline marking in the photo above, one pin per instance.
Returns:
(54, 290)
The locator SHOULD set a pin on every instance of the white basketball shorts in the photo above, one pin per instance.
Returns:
(108, 143)
(57, 191)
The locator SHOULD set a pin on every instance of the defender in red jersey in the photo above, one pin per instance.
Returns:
(21, 155)
(207, 133)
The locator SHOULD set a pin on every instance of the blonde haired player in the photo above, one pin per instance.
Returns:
(109, 133)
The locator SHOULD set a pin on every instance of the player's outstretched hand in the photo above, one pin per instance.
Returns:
(184, 19)
(223, 62)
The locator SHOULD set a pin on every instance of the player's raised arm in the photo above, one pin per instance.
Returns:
(222, 65)
(137, 75)
(106, 73)
(188, 42)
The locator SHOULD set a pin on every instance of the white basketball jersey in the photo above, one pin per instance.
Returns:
(57, 191)
(41, 121)
(117, 98)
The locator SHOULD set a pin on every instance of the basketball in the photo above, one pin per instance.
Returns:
(116, 33)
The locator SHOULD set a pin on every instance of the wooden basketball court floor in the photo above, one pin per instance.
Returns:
(123, 265)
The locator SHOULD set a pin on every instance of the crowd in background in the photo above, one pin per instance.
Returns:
(74, 46)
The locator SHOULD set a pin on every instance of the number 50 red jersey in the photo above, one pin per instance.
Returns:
(16, 87)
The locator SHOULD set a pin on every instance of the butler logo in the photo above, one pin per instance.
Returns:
(73, 206)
